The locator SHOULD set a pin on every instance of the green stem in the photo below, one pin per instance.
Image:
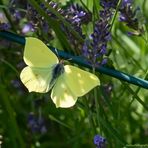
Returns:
(51, 117)
(97, 103)
(11, 66)
(114, 17)
(90, 117)
(19, 9)
(97, 106)
(95, 10)
(85, 6)
(108, 126)
(136, 96)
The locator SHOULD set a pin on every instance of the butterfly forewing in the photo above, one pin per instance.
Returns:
(61, 94)
(79, 81)
(37, 54)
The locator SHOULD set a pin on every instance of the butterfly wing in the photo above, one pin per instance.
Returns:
(36, 79)
(80, 81)
(40, 60)
(71, 85)
(37, 54)
(37, 76)
(61, 94)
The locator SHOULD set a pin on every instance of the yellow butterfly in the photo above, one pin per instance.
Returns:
(45, 72)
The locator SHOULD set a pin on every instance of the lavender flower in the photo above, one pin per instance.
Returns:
(127, 14)
(13, 11)
(95, 48)
(99, 141)
(39, 22)
(126, 2)
(36, 18)
(32, 14)
(77, 15)
(27, 28)
(74, 14)
(130, 17)
(4, 26)
(16, 83)
(107, 89)
(36, 124)
(109, 3)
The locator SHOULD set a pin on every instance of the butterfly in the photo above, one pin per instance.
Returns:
(44, 72)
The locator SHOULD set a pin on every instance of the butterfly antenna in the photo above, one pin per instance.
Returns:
(57, 53)
(69, 59)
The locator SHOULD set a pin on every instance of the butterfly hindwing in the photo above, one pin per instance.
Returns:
(37, 54)
(61, 94)
(36, 79)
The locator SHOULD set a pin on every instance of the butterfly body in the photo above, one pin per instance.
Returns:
(66, 81)
(58, 69)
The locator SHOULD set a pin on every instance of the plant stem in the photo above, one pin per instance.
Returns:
(115, 14)
(96, 103)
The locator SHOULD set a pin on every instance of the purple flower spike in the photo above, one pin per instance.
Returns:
(104, 61)
(99, 141)
(108, 3)
(36, 124)
(27, 28)
(129, 16)
(4, 26)
(126, 2)
(97, 44)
